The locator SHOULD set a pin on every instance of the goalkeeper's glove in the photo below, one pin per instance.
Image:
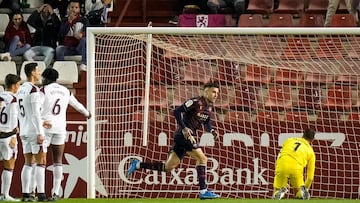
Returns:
(215, 134)
(187, 132)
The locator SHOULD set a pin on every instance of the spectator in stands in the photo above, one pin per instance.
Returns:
(199, 6)
(238, 5)
(17, 35)
(47, 25)
(96, 11)
(59, 6)
(13, 5)
(351, 6)
(72, 35)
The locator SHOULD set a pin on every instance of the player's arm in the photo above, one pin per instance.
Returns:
(178, 114)
(78, 106)
(310, 171)
(209, 129)
(36, 102)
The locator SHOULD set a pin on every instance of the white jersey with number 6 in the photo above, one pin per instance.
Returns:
(56, 99)
(9, 112)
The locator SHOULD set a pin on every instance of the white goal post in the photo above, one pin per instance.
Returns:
(274, 82)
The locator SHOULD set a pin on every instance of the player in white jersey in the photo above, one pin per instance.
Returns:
(8, 128)
(32, 133)
(56, 100)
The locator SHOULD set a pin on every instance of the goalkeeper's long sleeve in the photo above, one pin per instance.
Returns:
(310, 171)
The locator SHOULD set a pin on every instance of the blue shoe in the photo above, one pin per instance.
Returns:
(208, 195)
(132, 167)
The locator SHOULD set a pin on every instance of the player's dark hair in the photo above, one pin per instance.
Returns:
(49, 76)
(29, 68)
(211, 84)
(309, 134)
(11, 79)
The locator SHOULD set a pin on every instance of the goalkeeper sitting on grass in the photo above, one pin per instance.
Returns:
(189, 116)
(295, 155)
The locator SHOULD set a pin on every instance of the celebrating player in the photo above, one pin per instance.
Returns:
(189, 116)
(56, 100)
(8, 128)
(32, 133)
(295, 155)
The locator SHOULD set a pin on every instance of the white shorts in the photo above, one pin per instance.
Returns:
(6, 153)
(30, 145)
(55, 139)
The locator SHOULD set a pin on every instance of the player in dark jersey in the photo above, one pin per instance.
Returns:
(190, 116)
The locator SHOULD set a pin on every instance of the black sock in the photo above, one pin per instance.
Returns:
(201, 172)
(157, 166)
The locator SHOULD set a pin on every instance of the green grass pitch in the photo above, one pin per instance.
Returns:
(221, 200)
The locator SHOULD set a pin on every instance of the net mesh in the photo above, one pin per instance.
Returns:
(271, 88)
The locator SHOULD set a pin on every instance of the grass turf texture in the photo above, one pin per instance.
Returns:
(221, 200)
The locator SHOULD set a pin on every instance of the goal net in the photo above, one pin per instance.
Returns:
(273, 84)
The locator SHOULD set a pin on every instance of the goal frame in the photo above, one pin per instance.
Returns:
(90, 41)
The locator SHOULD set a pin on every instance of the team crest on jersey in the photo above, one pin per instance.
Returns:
(188, 103)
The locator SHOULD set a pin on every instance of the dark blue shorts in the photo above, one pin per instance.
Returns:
(182, 145)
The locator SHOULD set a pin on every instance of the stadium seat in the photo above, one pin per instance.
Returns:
(309, 97)
(3, 23)
(348, 73)
(260, 6)
(197, 72)
(311, 20)
(330, 48)
(267, 117)
(158, 97)
(317, 6)
(68, 72)
(318, 79)
(7, 67)
(327, 117)
(289, 75)
(246, 98)
(228, 73)
(339, 97)
(236, 117)
(41, 65)
(257, 75)
(280, 20)
(353, 49)
(296, 116)
(298, 48)
(290, 6)
(251, 20)
(343, 20)
(279, 98)
(268, 47)
(184, 92)
(354, 117)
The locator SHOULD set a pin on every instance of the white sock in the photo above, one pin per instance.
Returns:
(6, 178)
(25, 178)
(33, 179)
(57, 177)
(40, 178)
(203, 191)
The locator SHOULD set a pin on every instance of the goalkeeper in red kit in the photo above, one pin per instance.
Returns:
(296, 154)
(190, 116)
